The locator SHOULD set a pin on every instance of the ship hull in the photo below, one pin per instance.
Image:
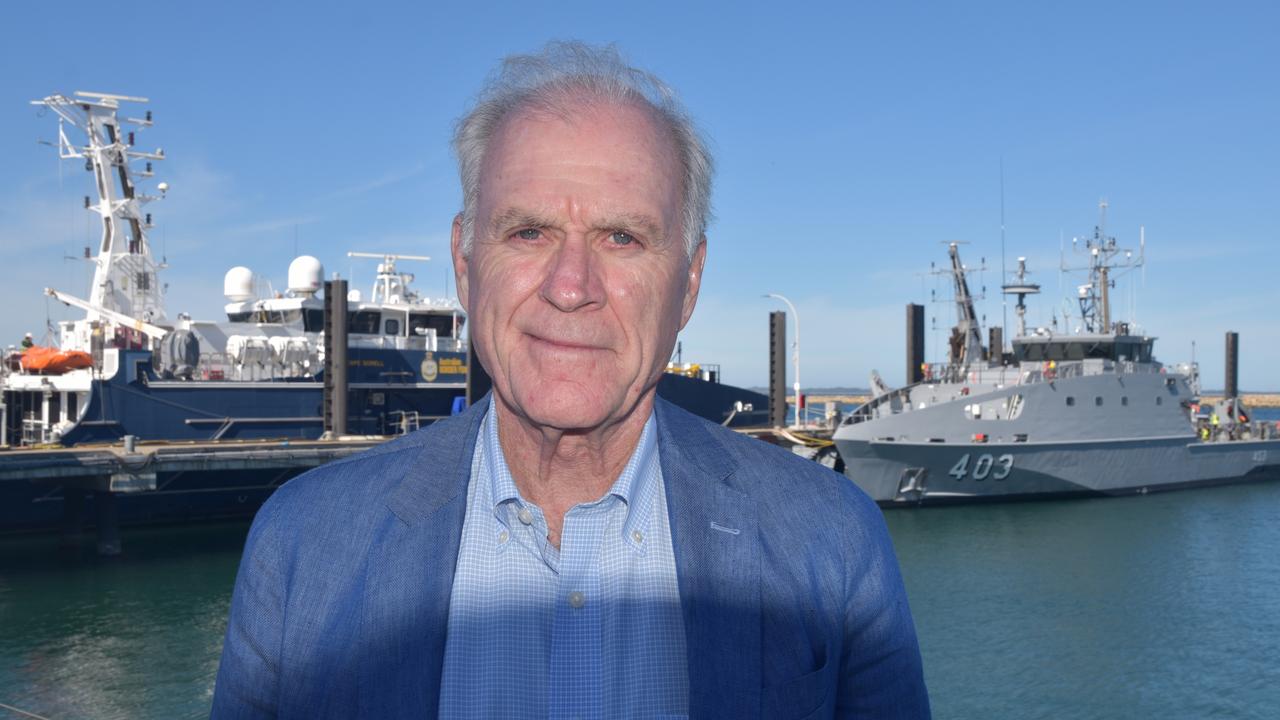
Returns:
(901, 473)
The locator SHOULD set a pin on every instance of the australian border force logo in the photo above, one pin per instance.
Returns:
(430, 368)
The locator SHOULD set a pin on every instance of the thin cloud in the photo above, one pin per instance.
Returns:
(368, 186)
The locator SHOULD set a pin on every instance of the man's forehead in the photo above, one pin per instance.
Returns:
(621, 122)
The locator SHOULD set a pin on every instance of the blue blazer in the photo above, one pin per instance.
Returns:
(793, 604)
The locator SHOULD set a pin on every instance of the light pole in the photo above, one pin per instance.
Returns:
(795, 355)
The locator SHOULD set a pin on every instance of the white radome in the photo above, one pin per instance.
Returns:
(306, 275)
(237, 284)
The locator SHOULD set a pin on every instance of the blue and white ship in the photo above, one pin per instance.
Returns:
(259, 372)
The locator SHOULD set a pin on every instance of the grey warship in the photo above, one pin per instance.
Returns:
(1090, 412)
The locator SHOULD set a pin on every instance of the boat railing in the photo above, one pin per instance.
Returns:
(1034, 372)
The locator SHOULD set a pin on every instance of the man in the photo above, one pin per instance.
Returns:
(570, 546)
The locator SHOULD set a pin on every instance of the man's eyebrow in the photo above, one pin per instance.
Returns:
(517, 217)
(647, 226)
(523, 217)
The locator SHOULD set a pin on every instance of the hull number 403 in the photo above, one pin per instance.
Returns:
(985, 466)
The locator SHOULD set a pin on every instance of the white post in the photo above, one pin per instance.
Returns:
(795, 356)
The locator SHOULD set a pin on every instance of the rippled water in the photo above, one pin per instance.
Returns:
(128, 637)
(1160, 606)
(1163, 606)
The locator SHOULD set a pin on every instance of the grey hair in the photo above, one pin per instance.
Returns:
(549, 81)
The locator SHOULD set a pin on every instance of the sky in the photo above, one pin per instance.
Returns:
(853, 141)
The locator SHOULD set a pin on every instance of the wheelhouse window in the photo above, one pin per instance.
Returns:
(420, 323)
(364, 322)
(391, 326)
(313, 320)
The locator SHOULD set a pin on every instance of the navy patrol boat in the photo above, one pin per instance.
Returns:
(1089, 412)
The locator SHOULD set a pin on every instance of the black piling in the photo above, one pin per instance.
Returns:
(995, 345)
(915, 343)
(335, 357)
(778, 369)
(1231, 388)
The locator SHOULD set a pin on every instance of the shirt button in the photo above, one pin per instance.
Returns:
(637, 536)
(577, 599)
(525, 516)
(502, 536)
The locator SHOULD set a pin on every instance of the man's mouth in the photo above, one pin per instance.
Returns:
(562, 343)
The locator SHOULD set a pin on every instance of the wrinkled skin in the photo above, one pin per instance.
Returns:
(576, 286)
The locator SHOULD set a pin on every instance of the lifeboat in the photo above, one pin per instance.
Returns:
(52, 361)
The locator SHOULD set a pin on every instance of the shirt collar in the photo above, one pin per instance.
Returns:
(636, 486)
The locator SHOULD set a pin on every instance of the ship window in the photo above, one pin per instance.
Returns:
(312, 320)
(364, 322)
(1098, 401)
(1124, 400)
(1159, 400)
(1071, 401)
(442, 324)
(391, 326)
(239, 317)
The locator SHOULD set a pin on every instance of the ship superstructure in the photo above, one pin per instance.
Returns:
(256, 373)
(1064, 413)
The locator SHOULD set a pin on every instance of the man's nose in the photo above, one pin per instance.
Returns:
(573, 280)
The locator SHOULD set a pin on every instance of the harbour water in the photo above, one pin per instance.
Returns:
(1160, 606)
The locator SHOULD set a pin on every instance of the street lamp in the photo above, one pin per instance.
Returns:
(795, 355)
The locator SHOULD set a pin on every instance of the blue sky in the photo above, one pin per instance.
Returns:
(853, 140)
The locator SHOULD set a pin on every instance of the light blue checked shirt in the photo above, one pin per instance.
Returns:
(591, 630)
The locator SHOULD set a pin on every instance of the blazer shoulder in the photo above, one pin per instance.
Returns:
(761, 469)
(338, 491)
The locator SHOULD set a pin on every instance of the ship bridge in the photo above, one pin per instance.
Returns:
(1092, 346)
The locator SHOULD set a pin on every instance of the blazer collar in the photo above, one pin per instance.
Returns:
(443, 469)
(409, 574)
(714, 532)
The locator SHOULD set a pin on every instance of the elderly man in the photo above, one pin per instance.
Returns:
(571, 546)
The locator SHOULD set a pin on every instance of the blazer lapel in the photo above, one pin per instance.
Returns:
(715, 536)
(409, 576)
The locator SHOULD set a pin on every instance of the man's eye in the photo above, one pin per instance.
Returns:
(622, 238)
(529, 234)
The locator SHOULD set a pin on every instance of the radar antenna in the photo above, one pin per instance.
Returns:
(1102, 249)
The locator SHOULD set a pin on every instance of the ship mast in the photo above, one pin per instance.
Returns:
(1095, 296)
(125, 274)
(1021, 288)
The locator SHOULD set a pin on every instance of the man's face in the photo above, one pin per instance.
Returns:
(577, 282)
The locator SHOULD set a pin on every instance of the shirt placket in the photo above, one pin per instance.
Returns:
(577, 658)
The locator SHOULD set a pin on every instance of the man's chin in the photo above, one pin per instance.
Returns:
(570, 406)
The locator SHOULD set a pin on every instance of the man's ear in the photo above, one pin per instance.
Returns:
(459, 262)
(695, 281)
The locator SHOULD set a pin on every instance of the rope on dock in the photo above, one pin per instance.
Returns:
(24, 713)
